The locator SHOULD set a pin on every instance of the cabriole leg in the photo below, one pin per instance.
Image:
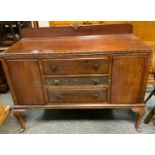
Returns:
(17, 115)
(139, 115)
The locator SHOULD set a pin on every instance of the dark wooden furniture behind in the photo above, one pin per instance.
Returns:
(3, 82)
(87, 67)
(152, 111)
(9, 34)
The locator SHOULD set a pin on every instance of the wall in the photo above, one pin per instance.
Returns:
(146, 31)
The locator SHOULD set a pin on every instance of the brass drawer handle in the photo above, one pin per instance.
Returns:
(54, 68)
(96, 66)
(56, 82)
(96, 96)
(96, 81)
(58, 97)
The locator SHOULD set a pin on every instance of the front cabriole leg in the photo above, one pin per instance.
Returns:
(139, 114)
(17, 115)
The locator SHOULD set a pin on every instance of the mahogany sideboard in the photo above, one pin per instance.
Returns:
(85, 67)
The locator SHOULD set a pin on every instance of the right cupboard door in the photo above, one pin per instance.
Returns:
(128, 79)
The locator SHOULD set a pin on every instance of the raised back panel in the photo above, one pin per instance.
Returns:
(26, 81)
(76, 31)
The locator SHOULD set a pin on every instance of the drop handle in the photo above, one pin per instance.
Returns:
(96, 96)
(96, 66)
(56, 82)
(58, 97)
(54, 68)
(96, 81)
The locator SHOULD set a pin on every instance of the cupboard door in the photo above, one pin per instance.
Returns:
(26, 81)
(128, 78)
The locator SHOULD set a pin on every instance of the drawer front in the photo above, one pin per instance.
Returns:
(76, 81)
(77, 95)
(76, 66)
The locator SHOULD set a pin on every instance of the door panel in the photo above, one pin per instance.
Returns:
(127, 79)
(26, 81)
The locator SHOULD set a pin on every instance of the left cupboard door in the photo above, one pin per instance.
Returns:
(26, 80)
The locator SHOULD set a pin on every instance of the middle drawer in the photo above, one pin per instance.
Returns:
(76, 81)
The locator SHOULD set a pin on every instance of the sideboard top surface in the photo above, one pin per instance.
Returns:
(78, 44)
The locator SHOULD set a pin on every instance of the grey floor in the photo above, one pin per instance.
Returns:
(106, 121)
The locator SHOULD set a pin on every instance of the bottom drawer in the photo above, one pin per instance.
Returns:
(77, 95)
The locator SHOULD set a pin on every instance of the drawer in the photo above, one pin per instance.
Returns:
(75, 66)
(76, 81)
(77, 95)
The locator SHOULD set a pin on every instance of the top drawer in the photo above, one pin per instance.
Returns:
(76, 66)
